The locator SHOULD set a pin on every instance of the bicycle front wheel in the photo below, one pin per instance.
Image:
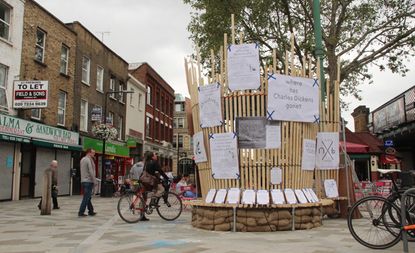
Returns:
(131, 208)
(169, 206)
(376, 228)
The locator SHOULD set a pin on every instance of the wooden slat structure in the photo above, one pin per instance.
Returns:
(255, 164)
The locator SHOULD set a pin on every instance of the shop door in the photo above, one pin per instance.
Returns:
(6, 170)
(64, 171)
(27, 171)
(43, 158)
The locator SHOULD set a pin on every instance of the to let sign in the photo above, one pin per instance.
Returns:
(30, 94)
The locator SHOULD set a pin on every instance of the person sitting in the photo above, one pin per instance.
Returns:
(182, 187)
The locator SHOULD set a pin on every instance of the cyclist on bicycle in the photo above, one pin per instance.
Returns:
(152, 166)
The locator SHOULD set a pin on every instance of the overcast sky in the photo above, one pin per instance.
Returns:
(156, 32)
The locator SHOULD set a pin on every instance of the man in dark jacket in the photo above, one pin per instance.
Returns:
(54, 168)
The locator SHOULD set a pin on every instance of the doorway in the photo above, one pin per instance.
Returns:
(27, 176)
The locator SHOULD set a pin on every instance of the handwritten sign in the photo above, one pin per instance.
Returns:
(290, 196)
(224, 156)
(300, 196)
(210, 105)
(277, 197)
(293, 98)
(308, 195)
(248, 197)
(234, 195)
(220, 196)
(199, 148)
(273, 134)
(276, 175)
(243, 67)
(327, 153)
(313, 195)
(210, 196)
(308, 159)
(330, 187)
(262, 197)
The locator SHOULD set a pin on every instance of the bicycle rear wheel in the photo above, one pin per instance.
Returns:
(131, 208)
(376, 228)
(169, 206)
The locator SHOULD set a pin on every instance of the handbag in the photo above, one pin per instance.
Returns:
(147, 179)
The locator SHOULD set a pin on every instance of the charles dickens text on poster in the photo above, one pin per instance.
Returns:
(243, 67)
(293, 98)
(258, 132)
(199, 150)
(224, 155)
(327, 151)
(308, 160)
(30, 94)
(210, 105)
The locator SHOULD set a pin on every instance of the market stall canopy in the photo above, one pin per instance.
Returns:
(354, 147)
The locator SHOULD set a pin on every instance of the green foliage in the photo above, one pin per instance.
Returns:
(361, 32)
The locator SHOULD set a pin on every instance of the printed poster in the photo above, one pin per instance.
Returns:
(243, 67)
(199, 150)
(327, 152)
(210, 196)
(330, 187)
(248, 197)
(308, 160)
(258, 132)
(234, 195)
(273, 134)
(276, 175)
(220, 196)
(277, 197)
(293, 98)
(210, 105)
(262, 197)
(224, 154)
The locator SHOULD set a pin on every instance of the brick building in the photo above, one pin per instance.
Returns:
(159, 113)
(48, 53)
(99, 70)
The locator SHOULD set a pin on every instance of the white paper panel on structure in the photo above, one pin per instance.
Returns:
(277, 196)
(330, 187)
(248, 197)
(327, 152)
(210, 105)
(293, 98)
(234, 196)
(308, 195)
(210, 196)
(276, 175)
(290, 196)
(300, 196)
(224, 156)
(199, 150)
(243, 67)
(262, 197)
(220, 196)
(273, 135)
(308, 160)
(313, 194)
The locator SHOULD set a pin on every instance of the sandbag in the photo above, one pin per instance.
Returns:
(223, 227)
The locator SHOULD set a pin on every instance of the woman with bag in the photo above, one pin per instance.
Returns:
(149, 178)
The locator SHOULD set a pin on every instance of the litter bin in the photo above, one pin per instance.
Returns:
(107, 189)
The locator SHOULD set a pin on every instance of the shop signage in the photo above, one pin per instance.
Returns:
(389, 116)
(13, 138)
(131, 143)
(15, 126)
(390, 151)
(388, 143)
(96, 113)
(30, 94)
(110, 148)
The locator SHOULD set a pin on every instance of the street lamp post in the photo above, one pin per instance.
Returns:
(102, 193)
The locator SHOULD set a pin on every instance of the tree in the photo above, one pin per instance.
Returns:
(361, 32)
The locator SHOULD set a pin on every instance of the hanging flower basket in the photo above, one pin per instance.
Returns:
(105, 132)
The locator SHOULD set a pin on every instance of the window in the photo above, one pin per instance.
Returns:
(180, 123)
(4, 21)
(174, 141)
(132, 97)
(40, 45)
(157, 100)
(162, 132)
(100, 79)
(110, 119)
(86, 68)
(174, 123)
(84, 116)
(156, 130)
(179, 107)
(149, 95)
(119, 128)
(121, 94)
(61, 108)
(112, 87)
(64, 59)
(140, 98)
(148, 126)
(180, 141)
(36, 113)
(3, 86)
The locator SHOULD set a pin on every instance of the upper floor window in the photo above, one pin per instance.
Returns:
(112, 87)
(100, 79)
(61, 108)
(110, 119)
(3, 82)
(83, 124)
(140, 98)
(179, 107)
(4, 21)
(86, 69)
(148, 126)
(121, 94)
(132, 97)
(64, 59)
(40, 45)
(36, 114)
(149, 95)
(180, 122)
(119, 127)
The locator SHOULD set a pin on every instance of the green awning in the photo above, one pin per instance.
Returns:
(14, 138)
(359, 156)
(110, 148)
(48, 144)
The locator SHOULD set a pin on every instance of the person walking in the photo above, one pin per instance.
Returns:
(53, 167)
(88, 181)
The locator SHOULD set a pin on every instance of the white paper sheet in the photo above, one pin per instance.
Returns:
(293, 98)
(308, 160)
(276, 175)
(273, 135)
(277, 197)
(290, 196)
(313, 194)
(224, 156)
(262, 197)
(327, 152)
(308, 195)
(234, 195)
(210, 196)
(243, 67)
(300, 196)
(199, 148)
(210, 105)
(248, 197)
(220, 196)
(330, 187)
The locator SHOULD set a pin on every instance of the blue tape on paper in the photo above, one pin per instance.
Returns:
(315, 82)
(316, 119)
(271, 76)
(269, 117)
(229, 48)
(211, 136)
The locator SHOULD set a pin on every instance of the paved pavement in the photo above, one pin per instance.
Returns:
(23, 229)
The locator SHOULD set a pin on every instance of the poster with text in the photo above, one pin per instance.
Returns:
(243, 67)
(30, 94)
(308, 160)
(273, 134)
(276, 175)
(199, 148)
(330, 187)
(327, 151)
(210, 105)
(224, 156)
(293, 98)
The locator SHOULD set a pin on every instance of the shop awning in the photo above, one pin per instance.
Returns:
(48, 144)
(110, 148)
(354, 147)
(389, 159)
(14, 138)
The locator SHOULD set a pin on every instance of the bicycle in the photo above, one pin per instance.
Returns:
(133, 204)
(379, 225)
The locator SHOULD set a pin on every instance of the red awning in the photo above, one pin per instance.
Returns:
(355, 147)
(389, 159)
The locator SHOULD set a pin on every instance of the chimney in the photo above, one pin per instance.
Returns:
(361, 119)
